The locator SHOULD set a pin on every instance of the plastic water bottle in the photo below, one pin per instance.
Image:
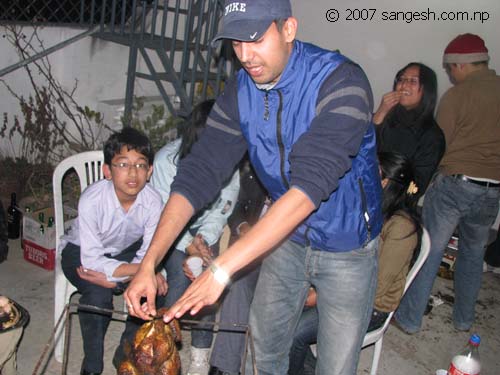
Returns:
(467, 361)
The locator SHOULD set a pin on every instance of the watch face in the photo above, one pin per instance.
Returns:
(15, 318)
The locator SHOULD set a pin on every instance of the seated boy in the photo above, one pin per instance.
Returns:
(117, 217)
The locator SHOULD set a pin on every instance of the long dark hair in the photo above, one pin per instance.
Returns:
(190, 130)
(399, 193)
(428, 81)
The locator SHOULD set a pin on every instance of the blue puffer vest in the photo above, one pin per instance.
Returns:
(351, 216)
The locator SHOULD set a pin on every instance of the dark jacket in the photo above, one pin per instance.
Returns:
(251, 199)
(314, 133)
(422, 142)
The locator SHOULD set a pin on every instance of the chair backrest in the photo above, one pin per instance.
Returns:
(88, 167)
(425, 248)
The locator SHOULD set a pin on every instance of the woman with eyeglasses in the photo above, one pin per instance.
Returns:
(405, 121)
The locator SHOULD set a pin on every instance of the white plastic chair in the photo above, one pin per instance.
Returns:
(88, 166)
(376, 336)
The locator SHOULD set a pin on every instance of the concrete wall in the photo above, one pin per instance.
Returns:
(100, 67)
(382, 47)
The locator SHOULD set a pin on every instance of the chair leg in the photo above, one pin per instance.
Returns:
(376, 356)
(63, 292)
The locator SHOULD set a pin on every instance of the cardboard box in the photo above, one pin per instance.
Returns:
(39, 239)
(42, 257)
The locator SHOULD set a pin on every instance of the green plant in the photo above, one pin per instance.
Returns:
(26, 178)
(50, 125)
(158, 128)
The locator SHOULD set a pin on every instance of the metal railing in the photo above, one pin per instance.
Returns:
(58, 12)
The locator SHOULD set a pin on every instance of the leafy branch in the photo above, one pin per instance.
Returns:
(51, 124)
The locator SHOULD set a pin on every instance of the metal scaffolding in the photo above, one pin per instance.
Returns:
(172, 37)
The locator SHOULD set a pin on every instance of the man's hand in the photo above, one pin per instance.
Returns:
(144, 284)
(161, 283)
(311, 298)
(199, 247)
(203, 291)
(94, 277)
(387, 103)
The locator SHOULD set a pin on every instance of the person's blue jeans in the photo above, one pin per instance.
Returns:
(229, 345)
(449, 203)
(305, 334)
(345, 283)
(201, 334)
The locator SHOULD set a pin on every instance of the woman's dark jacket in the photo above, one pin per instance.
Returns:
(420, 140)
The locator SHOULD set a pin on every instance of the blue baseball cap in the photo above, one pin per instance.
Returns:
(248, 20)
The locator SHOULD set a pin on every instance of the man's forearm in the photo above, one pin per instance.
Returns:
(176, 214)
(278, 222)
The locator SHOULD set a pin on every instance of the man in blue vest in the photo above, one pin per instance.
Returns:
(304, 116)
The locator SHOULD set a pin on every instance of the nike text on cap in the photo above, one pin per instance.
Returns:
(248, 20)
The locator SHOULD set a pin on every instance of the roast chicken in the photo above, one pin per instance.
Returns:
(154, 350)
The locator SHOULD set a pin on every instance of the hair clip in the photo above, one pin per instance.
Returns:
(412, 188)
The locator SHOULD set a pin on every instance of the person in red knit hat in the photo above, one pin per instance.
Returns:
(466, 190)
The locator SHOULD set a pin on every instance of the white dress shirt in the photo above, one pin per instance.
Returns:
(103, 226)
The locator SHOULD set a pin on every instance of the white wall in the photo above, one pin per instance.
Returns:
(382, 47)
(100, 67)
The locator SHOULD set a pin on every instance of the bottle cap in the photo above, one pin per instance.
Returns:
(475, 339)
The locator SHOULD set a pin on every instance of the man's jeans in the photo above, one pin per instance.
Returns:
(305, 334)
(449, 203)
(345, 283)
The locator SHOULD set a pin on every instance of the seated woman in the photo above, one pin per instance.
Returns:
(398, 240)
(201, 237)
(405, 121)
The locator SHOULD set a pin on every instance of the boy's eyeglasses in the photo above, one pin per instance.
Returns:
(142, 167)
(412, 81)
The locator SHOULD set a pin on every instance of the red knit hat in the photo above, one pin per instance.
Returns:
(465, 48)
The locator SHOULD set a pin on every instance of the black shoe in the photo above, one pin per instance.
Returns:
(377, 320)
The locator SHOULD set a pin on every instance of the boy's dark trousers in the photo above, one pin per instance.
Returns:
(94, 325)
